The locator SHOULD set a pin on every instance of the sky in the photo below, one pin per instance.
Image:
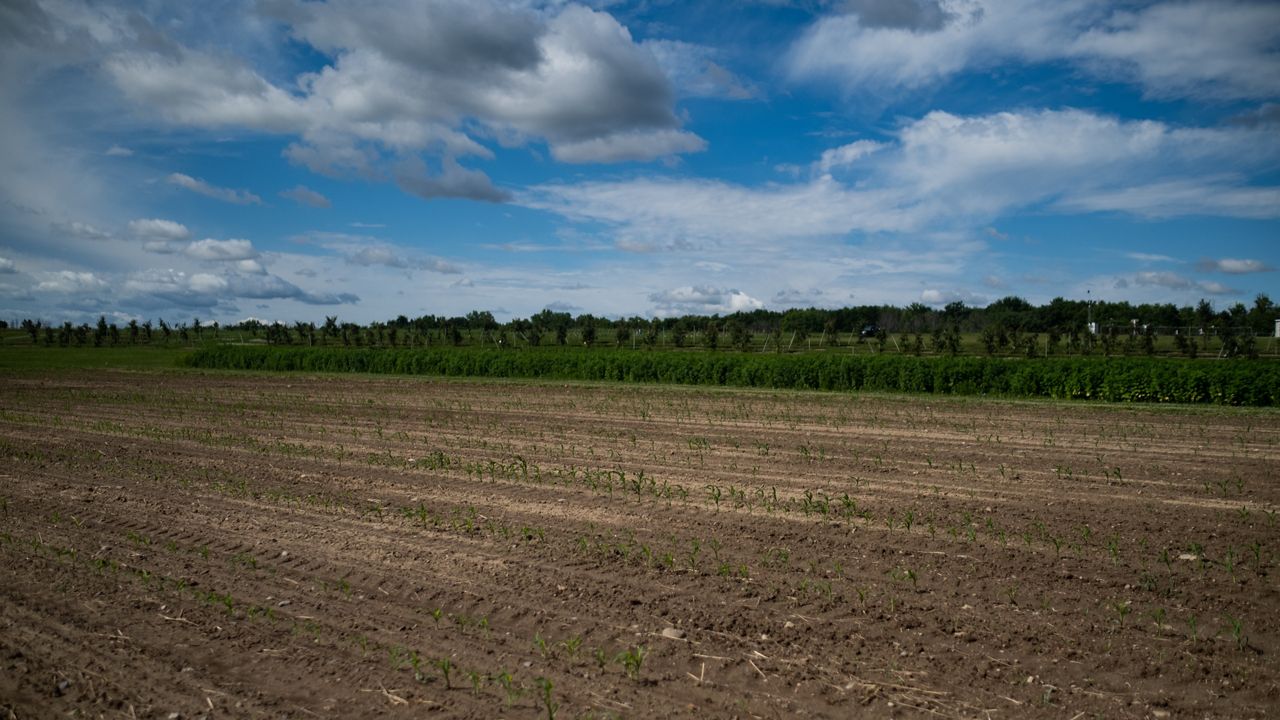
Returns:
(288, 161)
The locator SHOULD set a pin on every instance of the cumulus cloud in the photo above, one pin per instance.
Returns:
(937, 297)
(159, 288)
(160, 236)
(1201, 48)
(221, 250)
(306, 196)
(158, 229)
(630, 145)
(71, 282)
(1174, 281)
(846, 155)
(7, 266)
(453, 181)
(388, 256)
(82, 230)
(702, 300)
(195, 185)
(405, 77)
(1234, 266)
(944, 171)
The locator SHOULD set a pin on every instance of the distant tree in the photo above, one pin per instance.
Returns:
(31, 328)
(739, 334)
(712, 333)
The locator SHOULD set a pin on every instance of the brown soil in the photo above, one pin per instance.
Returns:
(245, 546)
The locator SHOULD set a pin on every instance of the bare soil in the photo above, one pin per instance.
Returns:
(220, 545)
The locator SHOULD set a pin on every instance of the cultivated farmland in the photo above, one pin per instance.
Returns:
(250, 545)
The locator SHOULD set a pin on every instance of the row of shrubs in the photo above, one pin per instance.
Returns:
(1236, 382)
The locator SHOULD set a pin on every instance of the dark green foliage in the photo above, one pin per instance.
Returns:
(1238, 382)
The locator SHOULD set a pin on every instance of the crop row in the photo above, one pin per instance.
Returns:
(1111, 379)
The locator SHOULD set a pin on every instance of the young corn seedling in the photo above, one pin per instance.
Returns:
(1122, 609)
(477, 681)
(1158, 617)
(631, 660)
(1229, 562)
(572, 645)
(446, 669)
(545, 686)
(509, 687)
(540, 644)
(1236, 626)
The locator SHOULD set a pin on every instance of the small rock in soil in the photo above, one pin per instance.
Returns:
(673, 633)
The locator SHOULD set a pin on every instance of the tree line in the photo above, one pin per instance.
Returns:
(1010, 325)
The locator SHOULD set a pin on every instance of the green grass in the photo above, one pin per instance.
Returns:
(1234, 382)
(20, 358)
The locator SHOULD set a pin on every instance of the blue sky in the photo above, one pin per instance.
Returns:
(290, 160)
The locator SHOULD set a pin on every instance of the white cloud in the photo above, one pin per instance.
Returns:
(195, 185)
(1201, 48)
(158, 229)
(118, 151)
(453, 180)
(698, 71)
(1220, 49)
(82, 230)
(702, 300)
(221, 250)
(942, 172)
(1151, 257)
(846, 155)
(306, 196)
(631, 145)
(250, 266)
(934, 296)
(1234, 266)
(71, 282)
(1174, 281)
(408, 77)
(7, 266)
(388, 256)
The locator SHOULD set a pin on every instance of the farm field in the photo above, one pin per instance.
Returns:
(245, 545)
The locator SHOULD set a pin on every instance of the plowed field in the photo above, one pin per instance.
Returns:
(227, 545)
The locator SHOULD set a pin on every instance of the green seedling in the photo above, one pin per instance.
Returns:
(437, 614)
(477, 681)
(1236, 626)
(446, 669)
(509, 687)
(631, 660)
(545, 686)
(540, 644)
(1122, 610)
(571, 645)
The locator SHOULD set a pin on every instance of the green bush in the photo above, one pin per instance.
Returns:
(1235, 382)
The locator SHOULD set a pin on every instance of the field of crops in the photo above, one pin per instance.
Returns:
(247, 545)
(1238, 382)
